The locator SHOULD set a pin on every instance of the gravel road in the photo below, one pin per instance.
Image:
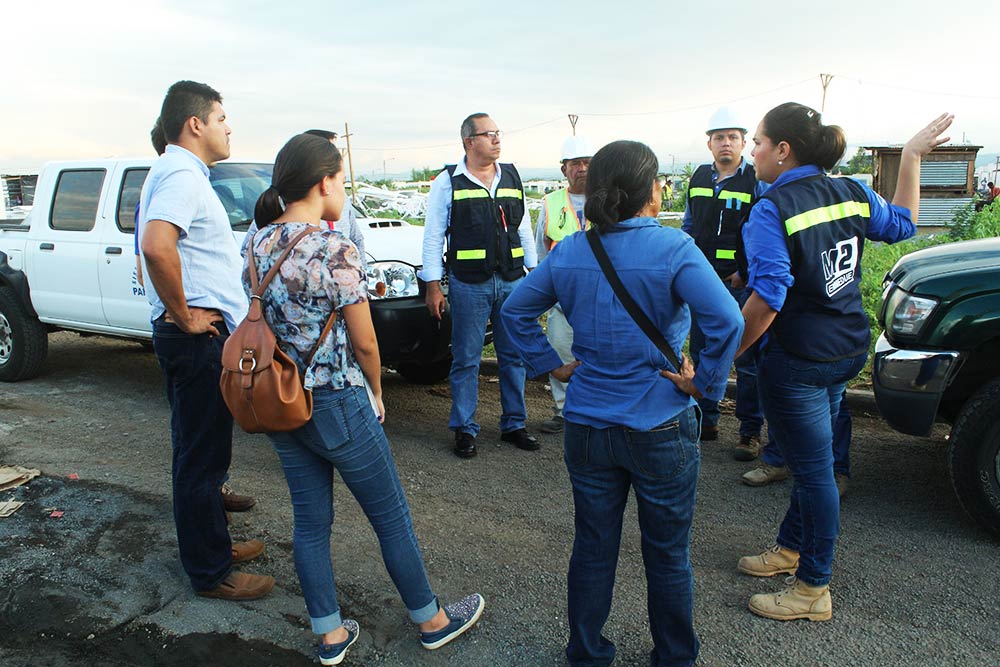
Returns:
(915, 581)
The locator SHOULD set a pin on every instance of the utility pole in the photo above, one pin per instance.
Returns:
(572, 121)
(825, 80)
(350, 164)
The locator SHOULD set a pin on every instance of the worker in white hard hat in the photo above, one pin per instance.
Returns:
(719, 198)
(562, 215)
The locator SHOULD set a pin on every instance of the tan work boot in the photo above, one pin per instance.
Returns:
(244, 551)
(748, 448)
(776, 560)
(241, 586)
(797, 600)
(765, 474)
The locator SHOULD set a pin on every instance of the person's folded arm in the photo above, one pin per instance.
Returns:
(697, 285)
(533, 295)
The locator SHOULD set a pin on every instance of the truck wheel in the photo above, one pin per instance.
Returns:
(426, 373)
(24, 341)
(975, 456)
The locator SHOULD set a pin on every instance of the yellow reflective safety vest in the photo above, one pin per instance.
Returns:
(560, 217)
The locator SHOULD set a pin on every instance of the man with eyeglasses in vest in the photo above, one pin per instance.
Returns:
(478, 207)
(561, 216)
(719, 198)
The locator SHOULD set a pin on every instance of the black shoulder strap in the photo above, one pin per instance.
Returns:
(631, 306)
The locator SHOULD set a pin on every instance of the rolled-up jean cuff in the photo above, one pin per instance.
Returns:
(425, 613)
(321, 626)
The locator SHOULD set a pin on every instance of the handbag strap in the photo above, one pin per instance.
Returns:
(257, 287)
(631, 306)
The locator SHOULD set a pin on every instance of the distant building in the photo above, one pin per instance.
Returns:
(947, 180)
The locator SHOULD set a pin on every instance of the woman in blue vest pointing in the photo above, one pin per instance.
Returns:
(804, 238)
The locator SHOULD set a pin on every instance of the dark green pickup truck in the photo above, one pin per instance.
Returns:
(939, 358)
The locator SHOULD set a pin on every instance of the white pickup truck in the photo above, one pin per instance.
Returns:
(70, 265)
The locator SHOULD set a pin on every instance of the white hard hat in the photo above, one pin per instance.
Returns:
(575, 147)
(724, 119)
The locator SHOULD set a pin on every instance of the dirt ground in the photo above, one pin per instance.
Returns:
(915, 581)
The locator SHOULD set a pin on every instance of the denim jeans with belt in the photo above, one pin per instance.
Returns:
(472, 305)
(661, 465)
(801, 399)
(345, 435)
(201, 430)
(748, 409)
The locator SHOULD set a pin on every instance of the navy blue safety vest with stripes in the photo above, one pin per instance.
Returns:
(718, 217)
(482, 230)
(825, 221)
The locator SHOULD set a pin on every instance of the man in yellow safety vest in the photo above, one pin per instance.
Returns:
(562, 215)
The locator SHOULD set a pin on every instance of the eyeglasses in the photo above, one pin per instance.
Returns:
(492, 134)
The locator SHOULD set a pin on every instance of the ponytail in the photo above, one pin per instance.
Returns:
(802, 129)
(268, 207)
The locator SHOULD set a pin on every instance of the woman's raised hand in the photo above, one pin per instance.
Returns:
(929, 138)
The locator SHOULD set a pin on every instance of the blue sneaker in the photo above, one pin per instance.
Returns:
(462, 614)
(333, 654)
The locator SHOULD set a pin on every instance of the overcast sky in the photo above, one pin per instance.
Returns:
(85, 79)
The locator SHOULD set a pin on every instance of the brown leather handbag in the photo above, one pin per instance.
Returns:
(260, 383)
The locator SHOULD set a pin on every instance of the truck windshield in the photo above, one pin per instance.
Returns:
(239, 184)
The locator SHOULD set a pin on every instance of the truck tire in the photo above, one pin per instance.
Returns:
(431, 373)
(975, 456)
(24, 341)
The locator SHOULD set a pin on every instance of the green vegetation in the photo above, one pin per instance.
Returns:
(860, 163)
(424, 174)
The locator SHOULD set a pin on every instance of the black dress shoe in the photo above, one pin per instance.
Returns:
(521, 439)
(465, 445)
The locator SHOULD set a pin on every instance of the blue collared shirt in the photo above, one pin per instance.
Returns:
(766, 245)
(618, 381)
(439, 212)
(177, 190)
(688, 223)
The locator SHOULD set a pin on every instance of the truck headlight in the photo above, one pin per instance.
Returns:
(390, 280)
(906, 313)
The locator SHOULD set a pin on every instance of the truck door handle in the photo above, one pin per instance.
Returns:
(46, 246)
(112, 250)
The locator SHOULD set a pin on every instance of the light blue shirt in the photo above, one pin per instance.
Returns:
(177, 190)
(619, 381)
(439, 213)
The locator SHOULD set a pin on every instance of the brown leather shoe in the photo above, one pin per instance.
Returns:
(234, 502)
(244, 551)
(241, 586)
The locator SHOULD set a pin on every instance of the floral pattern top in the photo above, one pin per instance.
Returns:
(323, 272)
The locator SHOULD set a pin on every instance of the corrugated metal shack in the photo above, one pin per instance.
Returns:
(947, 180)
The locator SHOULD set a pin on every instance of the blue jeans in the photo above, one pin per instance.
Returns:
(801, 398)
(345, 434)
(748, 410)
(662, 466)
(201, 430)
(472, 305)
(842, 427)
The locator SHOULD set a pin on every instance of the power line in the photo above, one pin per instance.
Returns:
(918, 90)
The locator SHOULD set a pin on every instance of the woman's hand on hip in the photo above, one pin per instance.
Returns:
(565, 372)
(684, 380)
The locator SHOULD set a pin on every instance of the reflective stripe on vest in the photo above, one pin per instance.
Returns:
(516, 252)
(818, 216)
(457, 195)
(701, 192)
(472, 254)
(725, 254)
(729, 194)
(509, 192)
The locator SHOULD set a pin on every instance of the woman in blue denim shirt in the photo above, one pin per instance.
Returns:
(324, 273)
(629, 423)
(804, 240)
